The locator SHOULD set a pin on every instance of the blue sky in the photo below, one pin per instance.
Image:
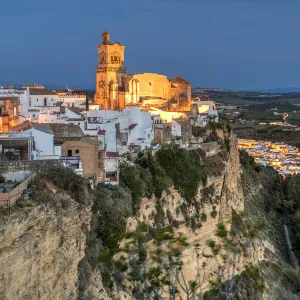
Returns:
(244, 44)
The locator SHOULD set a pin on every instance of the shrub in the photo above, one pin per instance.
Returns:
(112, 204)
(213, 214)
(2, 179)
(203, 217)
(68, 181)
(221, 230)
(131, 177)
(211, 244)
(183, 167)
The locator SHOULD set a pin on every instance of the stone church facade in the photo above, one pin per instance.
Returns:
(115, 89)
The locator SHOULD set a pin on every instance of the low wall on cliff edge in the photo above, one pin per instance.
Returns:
(27, 165)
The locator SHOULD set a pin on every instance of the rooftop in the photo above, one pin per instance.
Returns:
(178, 79)
(75, 110)
(41, 91)
(112, 154)
(64, 130)
(41, 128)
(28, 125)
(33, 85)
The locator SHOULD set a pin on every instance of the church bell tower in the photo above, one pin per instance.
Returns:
(110, 64)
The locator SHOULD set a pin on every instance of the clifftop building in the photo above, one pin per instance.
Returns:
(116, 90)
(109, 82)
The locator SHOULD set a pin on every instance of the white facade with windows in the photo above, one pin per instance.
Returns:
(132, 123)
(176, 129)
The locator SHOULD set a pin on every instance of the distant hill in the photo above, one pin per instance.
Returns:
(278, 90)
(268, 91)
(213, 90)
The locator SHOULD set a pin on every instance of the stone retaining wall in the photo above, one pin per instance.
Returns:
(27, 165)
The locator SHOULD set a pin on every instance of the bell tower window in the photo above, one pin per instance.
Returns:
(115, 59)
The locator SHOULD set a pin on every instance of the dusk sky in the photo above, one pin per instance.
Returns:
(243, 44)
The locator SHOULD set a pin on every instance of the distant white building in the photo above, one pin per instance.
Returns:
(42, 145)
(176, 129)
(138, 125)
(207, 108)
(43, 141)
(71, 97)
(118, 130)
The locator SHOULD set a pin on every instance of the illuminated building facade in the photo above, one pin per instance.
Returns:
(9, 110)
(115, 89)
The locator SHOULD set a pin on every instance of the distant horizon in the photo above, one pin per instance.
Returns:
(91, 87)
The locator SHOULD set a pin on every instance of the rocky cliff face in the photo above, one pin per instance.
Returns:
(45, 248)
(218, 199)
(40, 248)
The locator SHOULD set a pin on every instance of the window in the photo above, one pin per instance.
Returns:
(69, 152)
(77, 151)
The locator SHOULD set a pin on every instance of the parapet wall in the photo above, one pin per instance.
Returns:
(27, 165)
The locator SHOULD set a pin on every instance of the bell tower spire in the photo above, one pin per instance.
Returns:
(108, 73)
(105, 37)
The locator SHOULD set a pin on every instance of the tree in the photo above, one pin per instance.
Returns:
(149, 265)
(152, 270)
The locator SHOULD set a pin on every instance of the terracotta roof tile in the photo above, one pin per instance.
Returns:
(112, 154)
(132, 126)
(101, 132)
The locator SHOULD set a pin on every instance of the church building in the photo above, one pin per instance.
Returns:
(115, 89)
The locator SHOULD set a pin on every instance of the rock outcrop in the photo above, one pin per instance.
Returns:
(40, 248)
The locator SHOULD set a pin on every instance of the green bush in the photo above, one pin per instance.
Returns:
(184, 168)
(221, 230)
(2, 179)
(68, 181)
(154, 174)
(131, 177)
(211, 244)
(112, 204)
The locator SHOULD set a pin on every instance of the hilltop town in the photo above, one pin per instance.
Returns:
(129, 113)
(79, 172)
